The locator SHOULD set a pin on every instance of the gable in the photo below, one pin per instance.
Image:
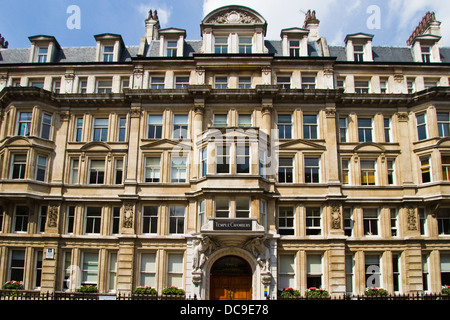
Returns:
(166, 144)
(301, 144)
(96, 147)
(369, 147)
(234, 16)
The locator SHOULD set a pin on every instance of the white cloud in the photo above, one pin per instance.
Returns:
(338, 39)
(353, 7)
(279, 14)
(164, 12)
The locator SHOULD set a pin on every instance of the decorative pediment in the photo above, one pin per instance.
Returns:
(369, 147)
(234, 15)
(301, 144)
(18, 141)
(229, 134)
(166, 144)
(96, 146)
(444, 143)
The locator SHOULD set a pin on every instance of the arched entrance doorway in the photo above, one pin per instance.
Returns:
(231, 279)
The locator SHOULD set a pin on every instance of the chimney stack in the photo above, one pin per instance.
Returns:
(3, 44)
(152, 26)
(428, 25)
(312, 24)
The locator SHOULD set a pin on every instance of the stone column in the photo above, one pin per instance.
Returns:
(125, 265)
(336, 271)
(60, 129)
(331, 161)
(197, 129)
(406, 169)
(133, 150)
(413, 268)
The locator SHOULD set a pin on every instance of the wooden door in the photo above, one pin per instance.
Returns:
(231, 287)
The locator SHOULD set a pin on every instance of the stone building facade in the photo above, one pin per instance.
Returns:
(231, 166)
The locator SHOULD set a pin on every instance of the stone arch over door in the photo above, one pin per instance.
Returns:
(231, 251)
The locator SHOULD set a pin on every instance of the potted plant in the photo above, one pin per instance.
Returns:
(13, 285)
(376, 292)
(316, 293)
(173, 291)
(145, 290)
(446, 289)
(87, 288)
(289, 293)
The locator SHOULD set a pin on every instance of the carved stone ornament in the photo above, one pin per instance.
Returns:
(335, 217)
(128, 215)
(259, 247)
(412, 219)
(52, 217)
(266, 278)
(234, 17)
(330, 113)
(197, 277)
(402, 116)
(202, 248)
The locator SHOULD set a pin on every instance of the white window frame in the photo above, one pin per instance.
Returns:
(287, 218)
(176, 170)
(41, 167)
(149, 220)
(108, 53)
(219, 83)
(314, 214)
(153, 170)
(96, 221)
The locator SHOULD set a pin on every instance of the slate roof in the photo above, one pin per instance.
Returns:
(87, 54)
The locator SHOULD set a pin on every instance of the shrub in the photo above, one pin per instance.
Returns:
(173, 291)
(316, 293)
(290, 293)
(13, 285)
(446, 290)
(376, 292)
(87, 289)
(145, 290)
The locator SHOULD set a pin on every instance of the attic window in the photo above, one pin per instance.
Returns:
(245, 45)
(294, 48)
(172, 48)
(221, 45)
(108, 53)
(359, 53)
(426, 54)
(42, 55)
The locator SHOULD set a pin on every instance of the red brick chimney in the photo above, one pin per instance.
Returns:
(3, 43)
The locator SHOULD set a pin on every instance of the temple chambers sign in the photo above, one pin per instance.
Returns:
(226, 224)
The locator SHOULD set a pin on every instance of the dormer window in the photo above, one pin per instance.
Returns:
(358, 53)
(245, 45)
(294, 42)
(358, 47)
(108, 53)
(426, 54)
(172, 42)
(172, 48)
(221, 45)
(294, 48)
(44, 49)
(42, 55)
(109, 47)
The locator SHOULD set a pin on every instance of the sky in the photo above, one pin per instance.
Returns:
(390, 21)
